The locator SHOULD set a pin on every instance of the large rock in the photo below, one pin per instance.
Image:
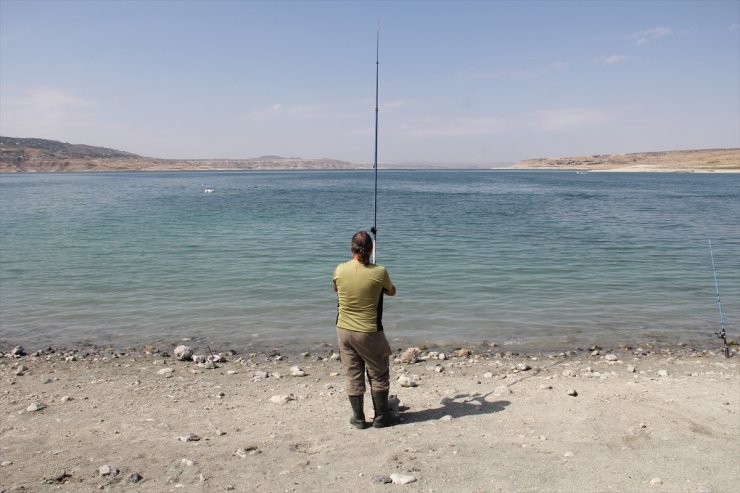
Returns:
(183, 353)
(410, 355)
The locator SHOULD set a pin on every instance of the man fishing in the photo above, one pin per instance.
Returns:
(363, 348)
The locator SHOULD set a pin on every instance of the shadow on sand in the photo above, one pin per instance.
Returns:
(455, 407)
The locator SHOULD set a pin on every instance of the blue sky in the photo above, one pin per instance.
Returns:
(460, 82)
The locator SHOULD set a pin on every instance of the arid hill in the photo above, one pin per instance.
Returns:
(718, 160)
(41, 155)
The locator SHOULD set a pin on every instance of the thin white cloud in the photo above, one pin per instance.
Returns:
(456, 127)
(45, 111)
(294, 110)
(643, 37)
(567, 118)
(734, 27)
(611, 59)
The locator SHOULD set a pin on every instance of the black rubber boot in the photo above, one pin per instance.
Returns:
(358, 414)
(383, 416)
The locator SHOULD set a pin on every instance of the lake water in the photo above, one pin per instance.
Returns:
(522, 258)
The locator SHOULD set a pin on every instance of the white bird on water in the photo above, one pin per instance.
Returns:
(208, 190)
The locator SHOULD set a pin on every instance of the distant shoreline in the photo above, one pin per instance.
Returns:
(29, 155)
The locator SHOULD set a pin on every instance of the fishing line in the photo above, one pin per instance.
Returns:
(721, 334)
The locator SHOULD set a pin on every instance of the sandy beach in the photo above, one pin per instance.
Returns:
(481, 419)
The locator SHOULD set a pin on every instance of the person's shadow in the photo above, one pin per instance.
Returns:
(455, 407)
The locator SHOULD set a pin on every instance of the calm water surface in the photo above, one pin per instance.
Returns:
(546, 259)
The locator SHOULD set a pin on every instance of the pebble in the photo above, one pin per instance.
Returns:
(282, 399)
(502, 389)
(6, 463)
(20, 371)
(297, 371)
(568, 454)
(442, 356)
(220, 433)
(199, 359)
(260, 375)
(18, 351)
(662, 373)
(70, 359)
(232, 372)
(187, 462)
(464, 353)
(183, 353)
(167, 372)
(248, 451)
(439, 369)
(631, 369)
(107, 470)
(334, 357)
(488, 374)
(523, 367)
(190, 437)
(36, 406)
(611, 357)
(135, 478)
(656, 482)
(569, 373)
(446, 417)
(410, 355)
(572, 392)
(397, 478)
(66, 398)
(405, 381)
(60, 476)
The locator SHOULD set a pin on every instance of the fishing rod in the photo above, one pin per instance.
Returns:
(374, 229)
(721, 334)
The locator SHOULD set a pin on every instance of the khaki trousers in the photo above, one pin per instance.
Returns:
(362, 352)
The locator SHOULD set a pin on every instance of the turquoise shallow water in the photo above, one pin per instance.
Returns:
(545, 259)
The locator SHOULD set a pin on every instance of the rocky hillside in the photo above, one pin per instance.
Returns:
(41, 155)
(721, 160)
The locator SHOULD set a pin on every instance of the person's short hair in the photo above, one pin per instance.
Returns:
(362, 246)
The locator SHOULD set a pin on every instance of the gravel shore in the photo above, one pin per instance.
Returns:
(472, 420)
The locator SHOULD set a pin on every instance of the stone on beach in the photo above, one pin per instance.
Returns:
(410, 355)
(247, 451)
(106, 470)
(662, 373)
(183, 353)
(166, 372)
(190, 437)
(502, 390)
(611, 357)
(397, 478)
(572, 392)
(405, 381)
(297, 371)
(18, 351)
(36, 406)
(282, 399)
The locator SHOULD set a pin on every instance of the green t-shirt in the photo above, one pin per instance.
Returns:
(360, 295)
